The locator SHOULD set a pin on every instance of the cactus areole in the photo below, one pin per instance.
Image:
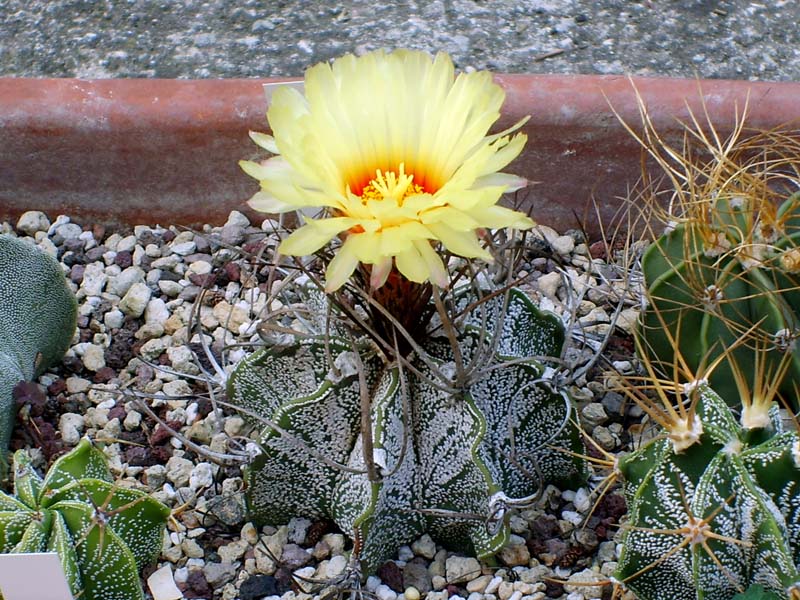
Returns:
(446, 462)
(37, 319)
(710, 520)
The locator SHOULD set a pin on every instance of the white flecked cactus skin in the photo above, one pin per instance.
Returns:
(37, 319)
(448, 464)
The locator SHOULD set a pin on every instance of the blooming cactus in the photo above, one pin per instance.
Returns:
(392, 148)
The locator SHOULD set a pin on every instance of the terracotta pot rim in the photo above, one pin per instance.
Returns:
(166, 151)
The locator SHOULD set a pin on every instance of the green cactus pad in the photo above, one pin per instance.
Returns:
(705, 296)
(744, 484)
(447, 463)
(103, 534)
(37, 320)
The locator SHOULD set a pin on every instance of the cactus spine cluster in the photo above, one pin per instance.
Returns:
(447, 459)
(708, 520)
(104, 534)
(37, 320)
(712, 280)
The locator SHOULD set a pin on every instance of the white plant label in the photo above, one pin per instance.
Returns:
(34, 576)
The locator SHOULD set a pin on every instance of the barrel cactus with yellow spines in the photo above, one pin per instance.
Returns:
(714, 502)
(737, 272)
(728, 262)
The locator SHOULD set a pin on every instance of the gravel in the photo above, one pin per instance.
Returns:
(133, 334)
(735, 39)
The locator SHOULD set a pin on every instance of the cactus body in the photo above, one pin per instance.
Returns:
(103, 534)
(745, 487)
(712, 282)
(37, 319)
(447, 463)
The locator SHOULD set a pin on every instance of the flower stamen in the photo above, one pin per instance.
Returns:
(389, 185)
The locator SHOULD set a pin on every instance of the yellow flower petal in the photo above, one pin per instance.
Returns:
(497, 217)
(341, 267)
(438, 273)
(411, 265)
(314, 235)
(454, 218)
(267, 142)
(380, 272)
(399, 145)
(511, 183)
(398, 239)
(267, 203)
(463, 243)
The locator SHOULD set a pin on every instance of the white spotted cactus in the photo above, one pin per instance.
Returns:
(104, 534)
(37, 320)
(717, 518)
(446, 463)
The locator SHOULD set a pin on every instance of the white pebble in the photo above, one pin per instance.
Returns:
(71, 426)
(202, 476)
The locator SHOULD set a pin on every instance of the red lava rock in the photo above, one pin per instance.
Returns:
(392, 576)
(161, 454)
(139, 456)
(118, 412)
(59, 386)
(197, 586)
(162, 435)
(123, 259)
(121, 350)
(254, 247)
(28, 393)
(232, 271)
(105, 375)
(203, 281)
(76, 273)
(598, 249)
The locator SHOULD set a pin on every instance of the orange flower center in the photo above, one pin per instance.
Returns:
(395, 184)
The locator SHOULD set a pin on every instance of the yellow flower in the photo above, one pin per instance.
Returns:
(392, 148)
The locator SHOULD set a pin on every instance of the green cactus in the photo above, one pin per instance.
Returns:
(757, 592)
(709, 519)
(447, 463)
(710, 282)
(37, 319)
(103, 533)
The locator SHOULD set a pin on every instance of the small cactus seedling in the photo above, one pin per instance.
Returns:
(729, 259)
(37, 319)
(442, 453)
(104, 534)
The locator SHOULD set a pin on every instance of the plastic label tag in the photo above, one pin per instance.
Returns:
(34, 576)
